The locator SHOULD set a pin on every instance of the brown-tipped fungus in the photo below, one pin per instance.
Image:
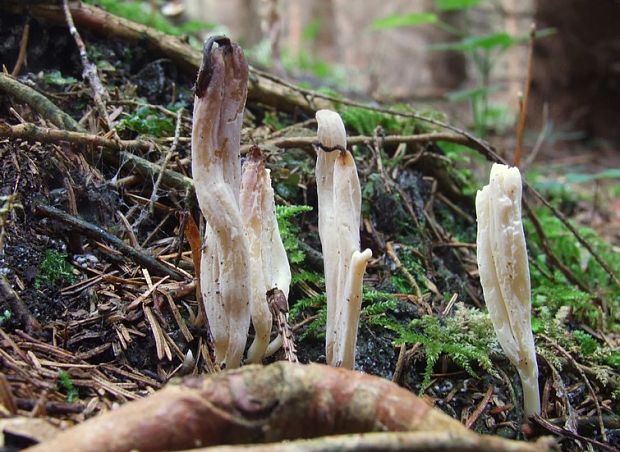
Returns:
(243, 257)
(221, 90)
(505, 275)
(339, 198)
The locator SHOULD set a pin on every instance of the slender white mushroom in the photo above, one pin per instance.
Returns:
(221, 90)
(339, 198)
(505, 275)
(269, 267)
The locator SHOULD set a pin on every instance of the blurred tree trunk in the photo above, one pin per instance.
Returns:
(577, 71)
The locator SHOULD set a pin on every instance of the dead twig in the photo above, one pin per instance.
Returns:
(560, 431)
(389, 248)
(32, 132)
(388, 140)
(18, 308)
(471, 420)
(524, 98)
(585, 379)
(164, 165)
(97, 233)
(23, 49)
(100, 94)
(549, 252)
(38, 102)
(278, 306)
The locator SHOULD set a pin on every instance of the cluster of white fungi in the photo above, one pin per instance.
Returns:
(243, 258)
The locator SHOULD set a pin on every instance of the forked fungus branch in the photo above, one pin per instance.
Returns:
(339, 198)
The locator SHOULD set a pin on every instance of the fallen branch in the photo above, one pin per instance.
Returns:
(389, 140)
(282, 401)
(97, 233)
(32, 132)
(38, 102)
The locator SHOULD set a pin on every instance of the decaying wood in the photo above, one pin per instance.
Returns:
(256, 404)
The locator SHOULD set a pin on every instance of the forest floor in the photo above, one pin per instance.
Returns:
(90, 320)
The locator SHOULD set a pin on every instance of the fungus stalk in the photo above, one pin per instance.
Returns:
(269, 267)
(505, 276)
(339, 199)
(221, 90)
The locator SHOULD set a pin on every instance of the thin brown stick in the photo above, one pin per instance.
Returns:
(549, 252)
(471, 420)
(560, 216)
(23, 49)
(389, 248)
(100, 94)
(524, 98)
(18, 308)
(164, 165)
(560, 431)
(97, 233)
(389, 140)
(187, 335)
(278, 305)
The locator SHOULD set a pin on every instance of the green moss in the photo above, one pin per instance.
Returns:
(147, 121)
(466, 338)
(290, 231)
(54, 270)
(598, 308)
(65, 385)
